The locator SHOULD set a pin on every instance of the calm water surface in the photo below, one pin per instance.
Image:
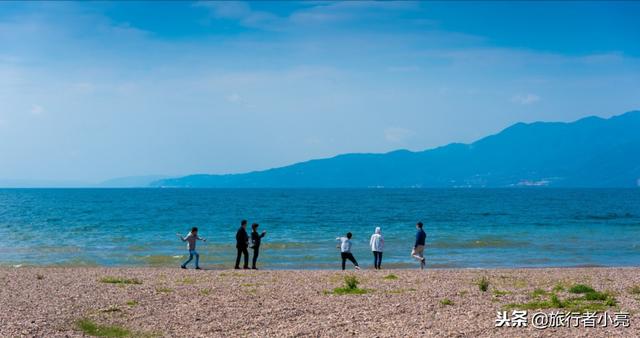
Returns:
(466, 228)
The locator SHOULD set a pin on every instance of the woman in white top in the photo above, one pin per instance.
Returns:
(377, 245)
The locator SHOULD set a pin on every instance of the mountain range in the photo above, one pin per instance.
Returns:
(590, 152)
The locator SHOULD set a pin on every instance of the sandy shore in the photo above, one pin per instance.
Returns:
(47, 302)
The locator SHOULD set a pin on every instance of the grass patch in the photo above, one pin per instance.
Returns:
(559, 287)
(589, 300)
(164, 289)
(90, 328)
(520, 283)
(205, 292)
(581, 288)
(399, 291)
(446, 301)
(499, 293)
(188, 281)
(350, 287)
(635, 290)
(463, 293)
(390, 277)
(538, 293)
(483, 284)
(132, 302)
(111, 309)
(119, 280)
(249, 284)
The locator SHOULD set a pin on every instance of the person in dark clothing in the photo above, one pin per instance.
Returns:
(418, 247)
(256, 238)
(242, 242)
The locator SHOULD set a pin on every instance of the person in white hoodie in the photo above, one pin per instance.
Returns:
(377, 245)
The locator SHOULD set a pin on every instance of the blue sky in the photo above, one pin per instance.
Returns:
(91, 91)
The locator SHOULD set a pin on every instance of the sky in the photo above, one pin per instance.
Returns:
(96, 90)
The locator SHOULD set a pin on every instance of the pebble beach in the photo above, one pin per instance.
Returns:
(167, 302)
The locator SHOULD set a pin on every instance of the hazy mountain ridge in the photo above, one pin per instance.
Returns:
(590, 152)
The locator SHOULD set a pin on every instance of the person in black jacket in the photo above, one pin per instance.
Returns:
(256, 238)
(418, 247)
(242, 242)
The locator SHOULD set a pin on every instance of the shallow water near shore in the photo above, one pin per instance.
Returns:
(467, 228)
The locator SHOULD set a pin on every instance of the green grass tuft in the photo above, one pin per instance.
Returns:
(499, 293)
(351, 282)
(446, 301)
(635, 290)
(581, 288)
(350, 287)
(164, 289)
(595, 295)
(188, 281)
(483, 284)
(590, 300)
(390, 277)
(119, 280)
(538, 293)
(111, 309)
(132, 302)
(90, 328)
(205, 292)
(559, 287)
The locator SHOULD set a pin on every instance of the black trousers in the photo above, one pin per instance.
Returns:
(349, 256)
(377, 259)
(245, 252)
(256, 252)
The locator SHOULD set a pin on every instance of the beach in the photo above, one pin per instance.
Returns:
(79, 301)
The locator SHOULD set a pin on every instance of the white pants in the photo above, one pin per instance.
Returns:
(418, 252)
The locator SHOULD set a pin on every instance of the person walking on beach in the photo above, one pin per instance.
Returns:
(191, 239)
(377, 244)
(345, 251)
(256, 238)
(418, 247)
(242, 242)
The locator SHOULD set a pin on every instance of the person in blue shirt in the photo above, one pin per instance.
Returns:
(418, 247)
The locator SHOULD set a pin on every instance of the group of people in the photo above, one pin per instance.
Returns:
(244, 242)
(377, 246)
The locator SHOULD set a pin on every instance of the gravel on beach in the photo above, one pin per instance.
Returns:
(52, 301)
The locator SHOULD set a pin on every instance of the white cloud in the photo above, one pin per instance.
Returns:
(404, 69)
(242, 11)
(525, 99)
(397, 135)
(37, 110)
(234, 98)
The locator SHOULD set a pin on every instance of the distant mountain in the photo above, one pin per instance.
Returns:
(131, 181)
(591, 152)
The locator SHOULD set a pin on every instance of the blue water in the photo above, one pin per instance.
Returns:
(465, 227)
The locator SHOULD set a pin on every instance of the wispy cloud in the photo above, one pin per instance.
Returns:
(37, 110)
(525, 99)
(397, 134)
(243, 13)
